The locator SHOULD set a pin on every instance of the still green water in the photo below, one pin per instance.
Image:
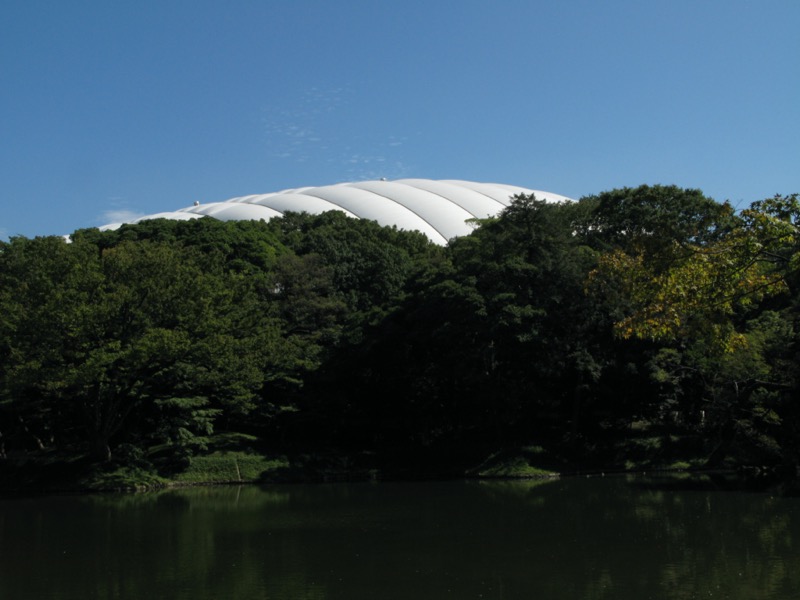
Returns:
(578, 538)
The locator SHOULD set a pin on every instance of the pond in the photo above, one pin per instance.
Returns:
(576, 538)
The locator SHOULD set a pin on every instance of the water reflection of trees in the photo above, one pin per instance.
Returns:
(699, 543)
(574, 538)
(613, 538)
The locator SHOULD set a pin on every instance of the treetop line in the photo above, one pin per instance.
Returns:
(572, 326)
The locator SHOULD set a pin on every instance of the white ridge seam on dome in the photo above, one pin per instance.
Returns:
(439, 233)
(413, 212)
(465, 209)
(480, 191)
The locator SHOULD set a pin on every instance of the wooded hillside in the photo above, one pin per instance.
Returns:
(641, 326)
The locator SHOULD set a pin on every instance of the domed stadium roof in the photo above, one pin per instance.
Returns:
(437, 208)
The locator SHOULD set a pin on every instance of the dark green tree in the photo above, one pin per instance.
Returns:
(132, 343)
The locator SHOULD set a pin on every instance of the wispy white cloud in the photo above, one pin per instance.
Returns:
(294, 131)
(303, 130)
(117, 212)
(377, 169)
(121, 216)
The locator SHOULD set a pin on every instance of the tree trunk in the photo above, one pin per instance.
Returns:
(101, 450)
(719, 453)
(39, 444)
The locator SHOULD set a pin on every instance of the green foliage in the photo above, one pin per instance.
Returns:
(655, 220)
(369, 264)
(231, 458)
(522, 463)
(119, 340)
(674, 263)
(640, 326)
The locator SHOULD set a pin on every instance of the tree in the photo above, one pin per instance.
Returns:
(529, 265)
(708, 299)
(676, 263)
(132, 342)
(485, 348)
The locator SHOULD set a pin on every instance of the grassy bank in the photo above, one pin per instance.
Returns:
(231, 458)
(228, 458)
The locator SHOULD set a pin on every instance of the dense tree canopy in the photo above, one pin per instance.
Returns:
(576, 327)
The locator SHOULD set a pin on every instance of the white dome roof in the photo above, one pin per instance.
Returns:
(439, 209)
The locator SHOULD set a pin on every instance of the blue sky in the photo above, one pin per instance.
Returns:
(115, 107)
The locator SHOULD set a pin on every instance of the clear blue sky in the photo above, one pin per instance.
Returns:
(113, 107)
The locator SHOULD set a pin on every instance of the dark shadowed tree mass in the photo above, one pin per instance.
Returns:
(640, 326)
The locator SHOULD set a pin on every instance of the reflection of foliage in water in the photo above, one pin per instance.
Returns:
(715, 543)
(211, 538)
(595, 538)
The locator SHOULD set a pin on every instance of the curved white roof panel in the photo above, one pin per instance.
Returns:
(439, 209)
